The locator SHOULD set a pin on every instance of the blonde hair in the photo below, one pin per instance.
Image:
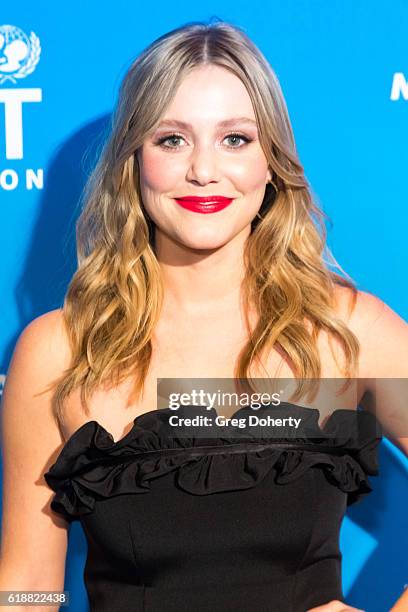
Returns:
(114, 299)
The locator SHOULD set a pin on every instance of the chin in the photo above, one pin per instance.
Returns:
(204, 243)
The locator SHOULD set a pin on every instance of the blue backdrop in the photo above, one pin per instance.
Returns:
(343, 67)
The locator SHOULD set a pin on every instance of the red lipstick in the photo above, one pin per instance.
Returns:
(204, 204)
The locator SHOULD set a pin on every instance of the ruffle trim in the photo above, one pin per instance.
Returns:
(92, 466)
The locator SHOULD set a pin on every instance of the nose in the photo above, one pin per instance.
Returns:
(203, 165)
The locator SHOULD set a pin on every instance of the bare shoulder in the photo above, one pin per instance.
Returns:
(360, 310)
(364, 311)
(46, 333)
(380, 330)
(40, 356)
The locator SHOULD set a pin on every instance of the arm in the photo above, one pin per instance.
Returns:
(33, 538)
(384, 367)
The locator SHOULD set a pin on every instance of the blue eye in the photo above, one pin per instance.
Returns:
(240, 136)
(161, 141)
(173, 137)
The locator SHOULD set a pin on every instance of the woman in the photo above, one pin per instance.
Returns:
(200, 255)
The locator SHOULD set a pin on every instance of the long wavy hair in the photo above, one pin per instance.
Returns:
(114, 299)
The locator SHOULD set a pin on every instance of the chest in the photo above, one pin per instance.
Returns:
(186, 350)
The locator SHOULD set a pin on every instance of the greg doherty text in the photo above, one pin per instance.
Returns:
(223, 421)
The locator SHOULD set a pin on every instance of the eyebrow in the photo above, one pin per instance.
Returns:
(223, 124)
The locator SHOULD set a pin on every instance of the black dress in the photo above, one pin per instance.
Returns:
(240, 523)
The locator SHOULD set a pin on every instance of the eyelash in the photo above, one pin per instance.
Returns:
(160, 141)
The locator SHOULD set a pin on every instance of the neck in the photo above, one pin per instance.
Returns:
(198, 281)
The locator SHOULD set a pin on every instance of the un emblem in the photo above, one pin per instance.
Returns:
(19, 55)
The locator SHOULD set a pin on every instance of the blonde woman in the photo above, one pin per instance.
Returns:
(201, 254)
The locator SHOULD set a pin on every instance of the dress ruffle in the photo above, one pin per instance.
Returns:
(92, 466)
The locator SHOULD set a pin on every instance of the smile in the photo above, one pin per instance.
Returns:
(204, 205)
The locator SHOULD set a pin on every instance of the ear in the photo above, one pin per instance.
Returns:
(268, 175)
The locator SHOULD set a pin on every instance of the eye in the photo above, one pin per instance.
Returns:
(238, 136)
(174, 137)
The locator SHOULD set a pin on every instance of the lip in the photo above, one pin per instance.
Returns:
(204, 204)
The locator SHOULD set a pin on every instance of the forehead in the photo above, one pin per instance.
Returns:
(210, 95)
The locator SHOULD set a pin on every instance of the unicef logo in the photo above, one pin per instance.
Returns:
(19, 55)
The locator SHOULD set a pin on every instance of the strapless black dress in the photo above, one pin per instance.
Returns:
(240, 523)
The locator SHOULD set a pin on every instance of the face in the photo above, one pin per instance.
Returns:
(201, 158)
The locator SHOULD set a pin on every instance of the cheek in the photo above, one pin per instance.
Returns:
(156, 172)
(248, 173)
